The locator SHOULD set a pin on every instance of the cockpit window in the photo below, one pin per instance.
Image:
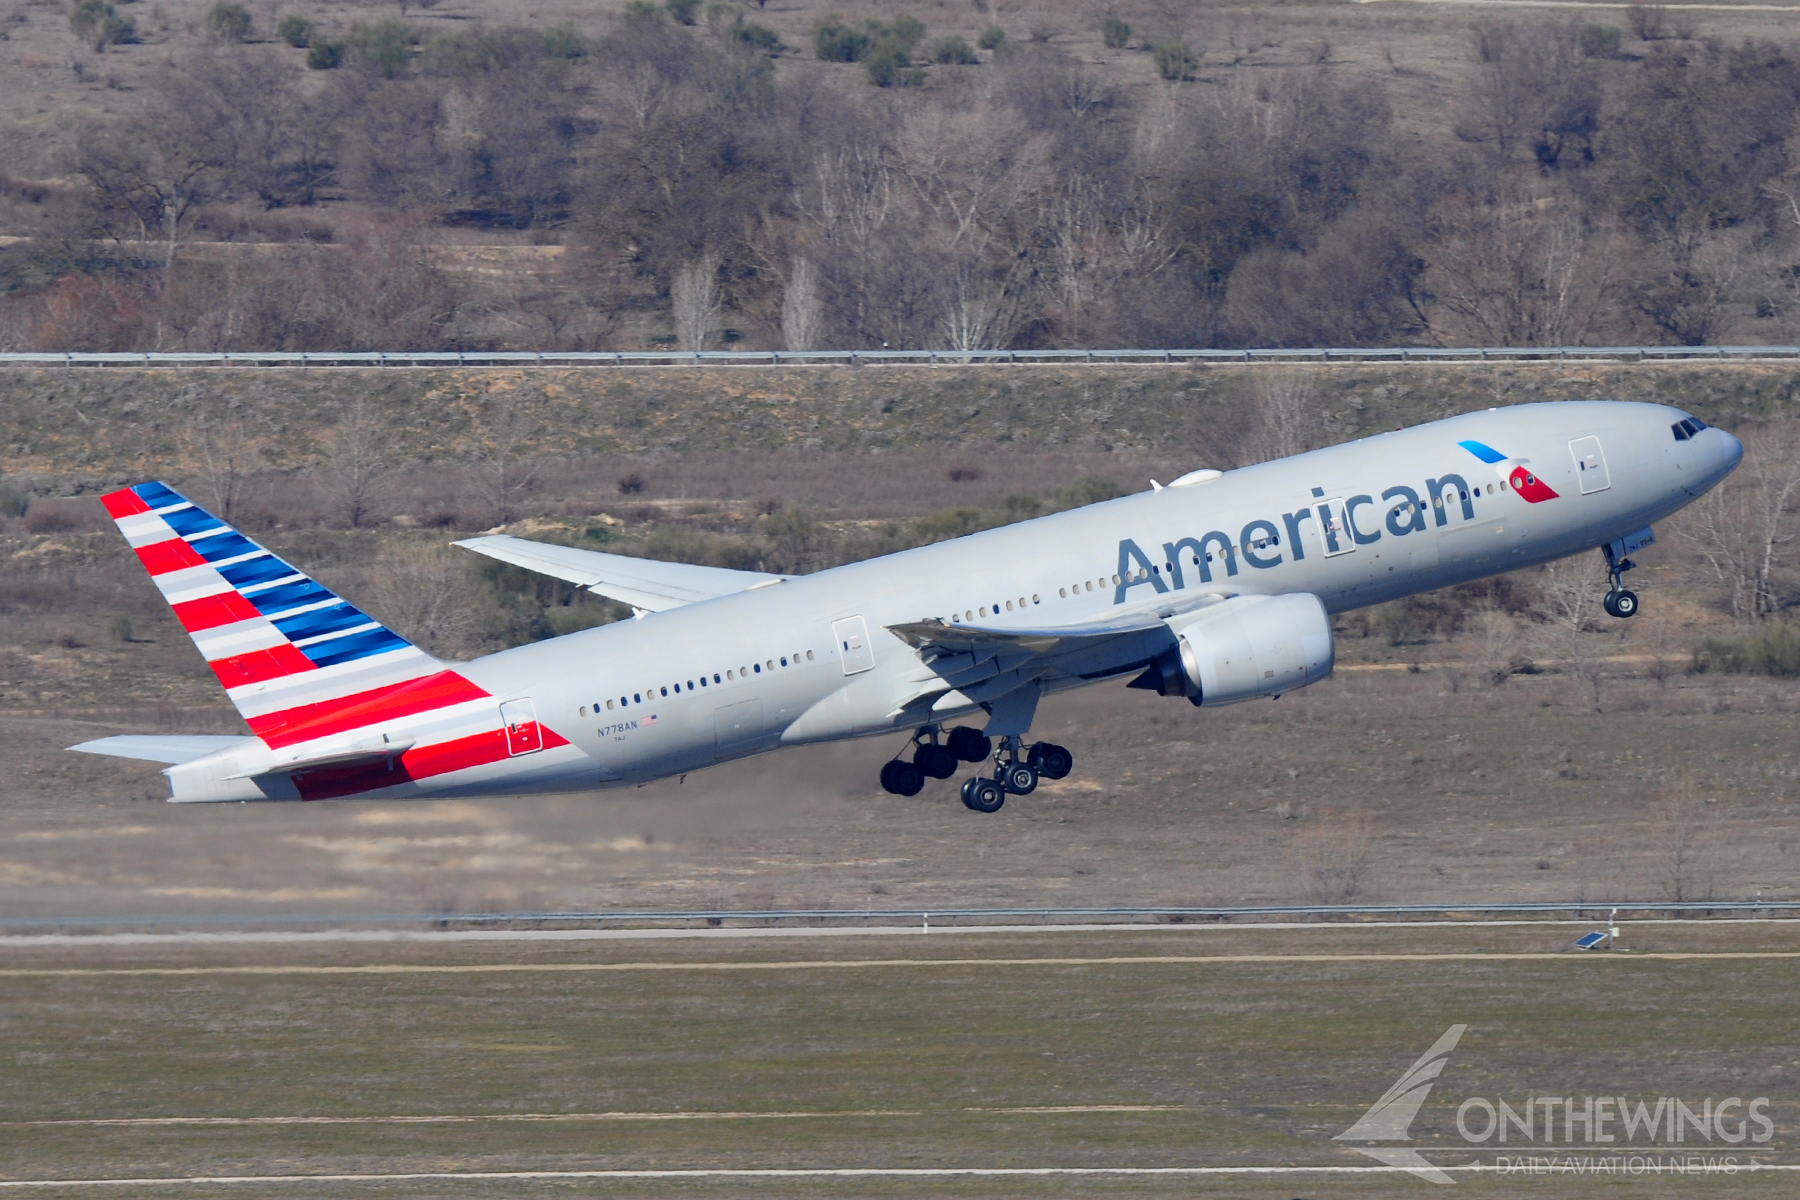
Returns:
(1680, 430)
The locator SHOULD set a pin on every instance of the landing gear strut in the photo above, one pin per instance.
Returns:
(1016, 772)
(1618, 602)
(1017, 768)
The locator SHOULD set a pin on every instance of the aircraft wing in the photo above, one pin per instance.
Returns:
(643, 583)
(937, 639)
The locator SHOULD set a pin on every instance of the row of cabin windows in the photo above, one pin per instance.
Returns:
(793, 659)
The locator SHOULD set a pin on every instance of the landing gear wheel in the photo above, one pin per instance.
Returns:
(1051, 760)
(902, 778)
(1021, 779)
(983, 795)
(939, 762)
(969, 745)
(1624, 603)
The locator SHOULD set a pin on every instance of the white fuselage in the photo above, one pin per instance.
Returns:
(725, 678)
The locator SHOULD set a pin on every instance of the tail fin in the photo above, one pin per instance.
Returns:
(287, 650)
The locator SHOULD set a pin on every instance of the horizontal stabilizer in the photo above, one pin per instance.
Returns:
(162, 748)
(643, 583)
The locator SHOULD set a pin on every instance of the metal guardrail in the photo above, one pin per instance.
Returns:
(1116, 915)
(780, 358)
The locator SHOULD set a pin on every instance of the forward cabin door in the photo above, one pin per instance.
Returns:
(1590, 465)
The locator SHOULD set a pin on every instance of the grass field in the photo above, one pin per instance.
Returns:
(1177, 1048)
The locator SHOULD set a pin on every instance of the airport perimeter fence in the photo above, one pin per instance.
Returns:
(785, 358)
(923, 918)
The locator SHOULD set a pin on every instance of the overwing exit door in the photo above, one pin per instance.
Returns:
(852, 634)
(1334, 527)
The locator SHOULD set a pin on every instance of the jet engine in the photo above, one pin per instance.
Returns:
(1242, 648)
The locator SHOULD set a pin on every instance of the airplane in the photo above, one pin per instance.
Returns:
(1216, 588)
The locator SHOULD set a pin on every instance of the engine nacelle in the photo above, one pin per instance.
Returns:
(1244, 647)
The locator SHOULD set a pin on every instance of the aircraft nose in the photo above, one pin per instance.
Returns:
(1731, 453)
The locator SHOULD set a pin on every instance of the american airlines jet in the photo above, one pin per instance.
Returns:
(1216, 588)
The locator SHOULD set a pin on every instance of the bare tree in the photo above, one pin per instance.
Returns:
(503, 450)
(1686, 827)
(802, 313)
(422, 592)
(694, 297)
(355, 466)
(1744, 527)
(226, 452)
(1286, 418)
(1568, 597)
(980, 313)
(1331, 855)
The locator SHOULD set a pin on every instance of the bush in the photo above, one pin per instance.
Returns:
(13, 502)
(953, 51)
(992, 38)
(685, 12)
(565, 42)
(1599, 41)
(229, 21)
(1115, 33)
(834, 41)
(325, 56)
(1774, 650)
(386, 45)
(99, 24)
(1174, 60)
(759, 37)
(296, 31)
(884, 63)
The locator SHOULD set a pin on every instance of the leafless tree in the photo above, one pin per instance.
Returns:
(1331, 855)
(355, 468)
(694, 297)
(1686, 827)
(503, 452)
(1744, 527)
(225, 450)
(1569, 594)
(802, 313)
(422, 592)
(1287, 420)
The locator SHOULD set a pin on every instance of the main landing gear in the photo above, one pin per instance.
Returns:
(1618, 601)
(1017, 769)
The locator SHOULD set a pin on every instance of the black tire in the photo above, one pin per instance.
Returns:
(1609, 602)
(887, 777)
(907, 779)
(1051, 760)
(969, 745)
(1021, 779)
(983, 795)
(938, 762)
(1625, 604)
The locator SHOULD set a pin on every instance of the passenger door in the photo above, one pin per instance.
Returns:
(1590, 465)
(522, 733)
(852, 634)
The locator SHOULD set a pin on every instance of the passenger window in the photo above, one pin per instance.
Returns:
(665, 691)
(637, 697)
(759, 668)
(984, 610)
(1034, 598)
(809, 656)
(609, 705)
(1115, 581)
(1063, 592)
(969, 615)
(770, 664)
(784, 660)
(1009, 606)
(678, 688)
(703, 681)
(716, 678)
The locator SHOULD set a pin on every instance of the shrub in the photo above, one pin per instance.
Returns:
(953, 51)
(99, 24)
(228, 21)
(122, 630)
(296, 31)
(834, 41)
(1599, 41)
(759, 37)
(889, 64)
(1773, 650)
(1173, 60)
(992, 38)
(12, 502)
(386, 45)
(685, 12)
(1115, 33)
(325, 56)
(564, 41)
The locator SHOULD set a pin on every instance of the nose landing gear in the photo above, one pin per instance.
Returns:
(1618, 602)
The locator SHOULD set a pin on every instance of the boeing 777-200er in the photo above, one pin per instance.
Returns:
(1218, 587)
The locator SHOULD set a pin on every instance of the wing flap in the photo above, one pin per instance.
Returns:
(643, 583)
